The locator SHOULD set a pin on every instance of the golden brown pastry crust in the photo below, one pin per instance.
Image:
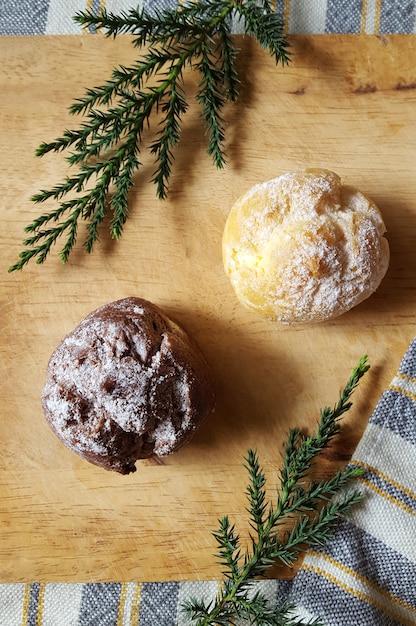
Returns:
(304, 248)
(127, 383)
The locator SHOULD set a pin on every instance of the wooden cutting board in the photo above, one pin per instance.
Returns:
(347, 103)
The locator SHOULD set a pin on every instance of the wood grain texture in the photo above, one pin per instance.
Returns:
(346, 103)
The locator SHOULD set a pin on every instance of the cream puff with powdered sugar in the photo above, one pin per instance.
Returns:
(303, 247)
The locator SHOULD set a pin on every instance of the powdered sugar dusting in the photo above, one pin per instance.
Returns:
(302, 247)
(125, 375)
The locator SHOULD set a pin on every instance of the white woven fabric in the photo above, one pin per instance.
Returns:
(54, 17)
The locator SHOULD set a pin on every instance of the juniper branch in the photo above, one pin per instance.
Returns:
(106, 146)
(311, 508)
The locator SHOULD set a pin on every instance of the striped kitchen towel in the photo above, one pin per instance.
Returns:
(365, 577)
(54, 17)
(109, 604)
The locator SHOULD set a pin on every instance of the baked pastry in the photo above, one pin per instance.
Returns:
(127, 383)
(304, 248)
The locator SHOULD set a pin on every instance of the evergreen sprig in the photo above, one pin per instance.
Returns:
(107, 146)
(307, 505)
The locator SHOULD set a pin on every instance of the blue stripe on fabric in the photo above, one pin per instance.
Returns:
(158, 604)
(397, 16)
(396, 412)
(343, 16)
(95, 8)
(99, 604)
(372, 559)
(32, 612)
(27, 17)
(408, 363)
(283, 588)
(393, 491)
(334, 606)
(151, 5)
(384, 406)
(280, 7)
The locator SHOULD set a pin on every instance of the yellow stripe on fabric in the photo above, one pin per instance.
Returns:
(122, 604)
(361, 595)
(387, 496)
(364, 10)
(129, 604)
(102, 6)
(405, 384)
(89, 8)
(286, 14)
(351, 572)
(377, 17)
(406, 377)
(370, 17)
(380, 447)
(384, 477)
(26, 602)
(90, 4)
(135, 607)
(41, 604)
(405, 392)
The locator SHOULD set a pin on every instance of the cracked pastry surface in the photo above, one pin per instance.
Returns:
(303, 247)
(126, 384)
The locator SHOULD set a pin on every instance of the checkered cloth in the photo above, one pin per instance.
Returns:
(54, 17)
(365, 577)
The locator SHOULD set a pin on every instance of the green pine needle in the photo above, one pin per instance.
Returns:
(309, 505)
(106, 147)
